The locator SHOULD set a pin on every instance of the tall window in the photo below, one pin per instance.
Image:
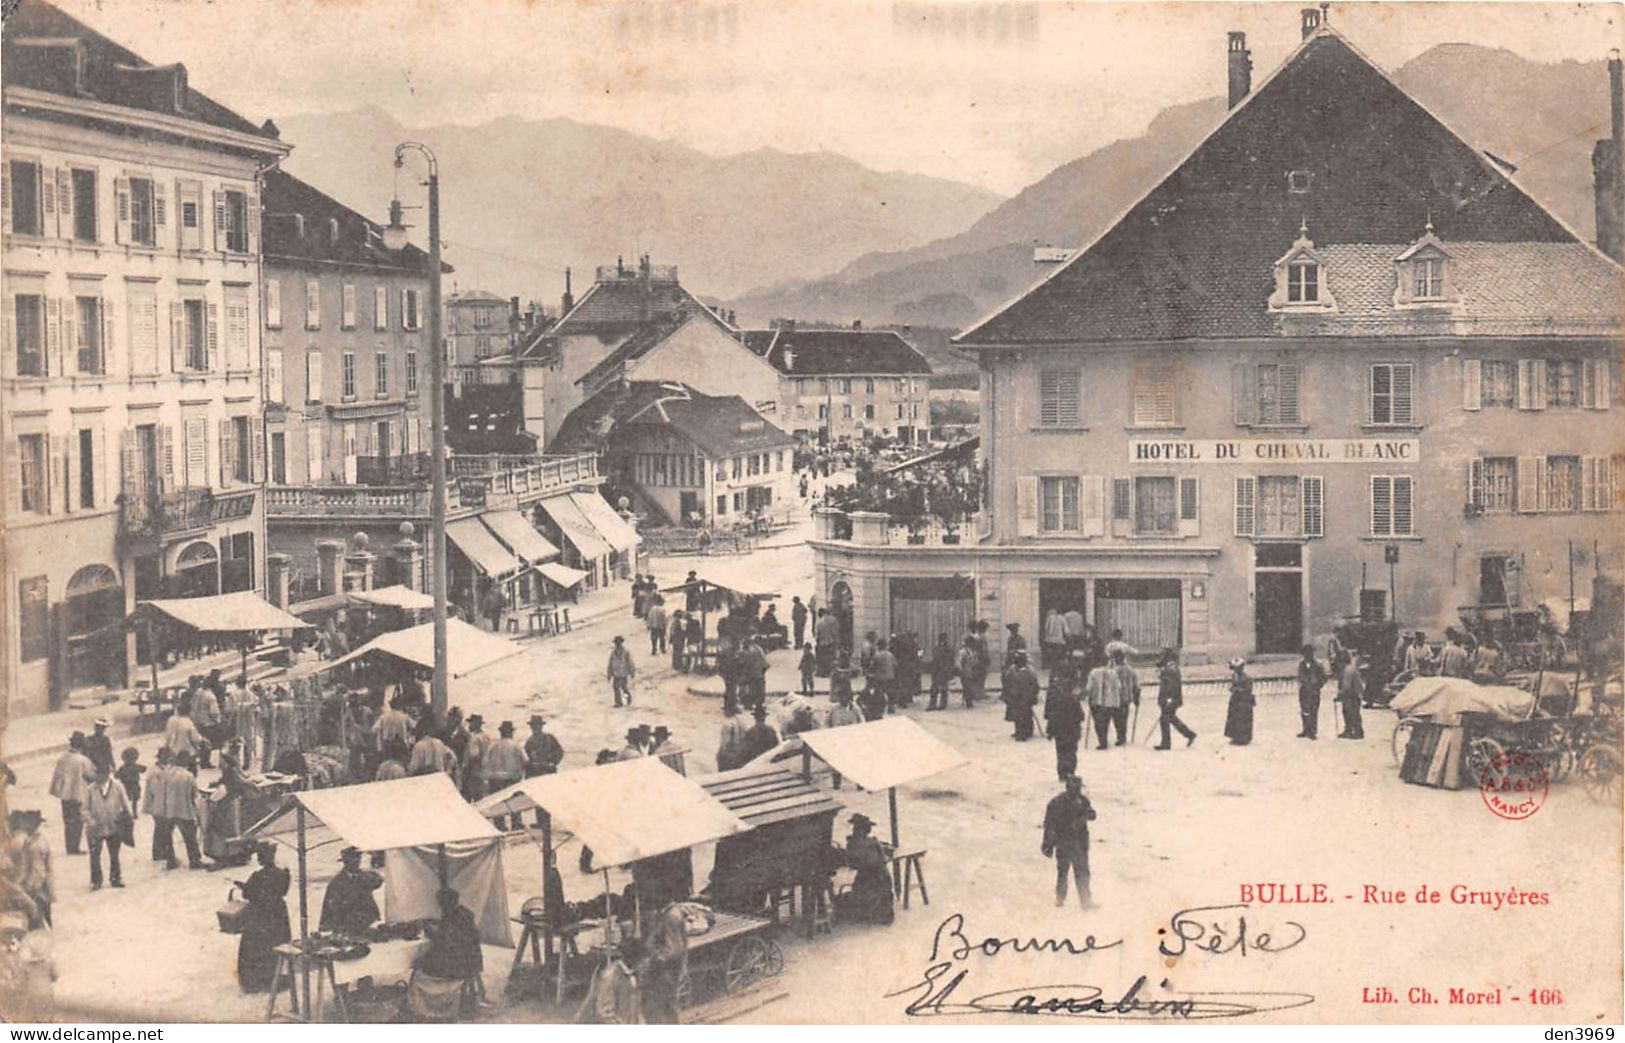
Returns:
(242, 459)
(33, 618)
(23, 182)
(347, 375)
(143, 214)
(84, 206)
(1390, 401)
(273, 375)
(87, 468)
(1427, 278)
(1156, 508)
(194, 335)
(1500, 484)
(1060, 393)
(1562, 483)
(1058, 504)
(1280, 505)
(313, 304)
(868, 385)
(380, 308)
(33, 486)
(30, 335)
(236, 218)
(1391, 505)
(380, 374)
(347, 309)
(1563, 383)
(409, 310)
(87, 334)
(1303, 282)
(1500, 383)
(411, 372)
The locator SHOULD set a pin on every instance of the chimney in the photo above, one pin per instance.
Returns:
(1241, 68)
(1608, 177)
(569, 300)
(1311, 21)
(513, 310)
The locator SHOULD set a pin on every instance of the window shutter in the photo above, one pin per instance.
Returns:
(1594, 384)
(1588, 482)
(166, 457)
(256, 433)
(1290, 375)
(72, 335)
(160, 211)
(1245, 488)
(1092, 509)
(1190, 508)
(53, 336)
(313, 377)
(315, 470)
(1122, 506)
(98, 465)
(1243, 402)
(1537, 384)
(47, 194)
(57, 461)
(1027, 506)
(177, 336)
(405, 324)
(212, 320)
(380, 308)
(1312, 495)
(273, 302)
(5, 226)
(1404, 488)
(130, 456)
(14, 468)
(9, 368)
(348, 319)
(1402, 377)
(313, 304)
(1475, 483)
(110, 355)
(1530, 485)
(251, 216)
(64, 203)
(75, 464)
(219, 204)
(1382, 506)
(1472, 384)
(197, 453)
(121, 210)
(1604, 391)
(228, 455)
(273, 375)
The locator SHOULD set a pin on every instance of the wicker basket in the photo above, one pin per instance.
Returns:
(233, 913)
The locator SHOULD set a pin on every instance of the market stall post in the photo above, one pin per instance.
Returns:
(304, 921)
(896, 843)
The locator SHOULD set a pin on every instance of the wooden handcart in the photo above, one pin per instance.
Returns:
(735, 953)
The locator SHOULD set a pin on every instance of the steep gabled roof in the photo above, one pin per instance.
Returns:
(37, 53)
(649, 336)
(288, 239)
(1194, 257)
(719, 425)
(802, 352)
(618, 305)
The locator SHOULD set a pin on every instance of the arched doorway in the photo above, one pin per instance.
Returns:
(840, 603)
(95, 612)
(197, 572)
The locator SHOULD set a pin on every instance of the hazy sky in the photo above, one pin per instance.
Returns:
(993, 93)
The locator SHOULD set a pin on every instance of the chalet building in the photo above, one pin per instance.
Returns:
(852, 383)
(1336, 364)
(130, 387)
(685, 456)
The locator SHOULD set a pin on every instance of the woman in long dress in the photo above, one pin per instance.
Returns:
(266, 924)
(1238, 721)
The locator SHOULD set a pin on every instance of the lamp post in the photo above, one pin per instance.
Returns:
(395, 238)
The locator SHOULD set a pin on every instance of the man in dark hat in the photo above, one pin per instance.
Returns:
(348, 906)
(1170, 697)
(634, 745)
(70, 784)
(870, 898)
(1066, 838)
(504, 765)
(542, 751)
(474, 764)
(1020, 694)
(1311, 678)
(759, 737)
(1013, 644)
(659, 738)
(99, 747)
(620, 672)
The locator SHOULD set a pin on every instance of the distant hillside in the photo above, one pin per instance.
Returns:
(525, 198)
(1542, 117)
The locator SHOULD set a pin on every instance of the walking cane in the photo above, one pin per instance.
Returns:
(1083, 741)
(1038, 723)
(1134, 722)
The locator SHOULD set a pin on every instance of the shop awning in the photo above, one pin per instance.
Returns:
(240, 612)
(625, 811)
(395, 597)
(481, 548)
(370, 816)
(884, 753)
(563, 575)
(520, 536)
(610, 525)
(467, 647)
(576, 527)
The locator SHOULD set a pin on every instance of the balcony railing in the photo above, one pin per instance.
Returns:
(182, 512)
(874, 528)
(474, 483)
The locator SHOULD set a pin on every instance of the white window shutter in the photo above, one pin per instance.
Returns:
(1588, 483)
(1312, 496)
(111, 357)
(160, 212)
(405, 325)
(71, 335)
(98, 465)
(1027, 505)
(1472, 384)
(1382, 505)
(1537, 384)
(1475, 483)
(5, 226)
(380, 308)
(1092, 506)
(1604, 391)
(251, 217)
(313, 377)
(1529, 483)
(256, 437)
(1244, 506)
(1190, 507)
(56, 458)
(348, 318)
(313, 304)
(1526, 381)
(53, 336)
(227, 454)
(1403, 385)
(315, 466)
(64, 201)
(1404, 488)
(166, 457)
(75, 464)
(273, 375)
(219, 208)
(121, 210)
(212, 335)
(273, 302)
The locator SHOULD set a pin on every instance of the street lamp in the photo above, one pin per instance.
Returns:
(395, 239)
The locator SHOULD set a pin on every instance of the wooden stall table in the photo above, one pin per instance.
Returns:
(291, 964)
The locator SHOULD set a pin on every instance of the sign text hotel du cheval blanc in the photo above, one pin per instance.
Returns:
(1274, 450)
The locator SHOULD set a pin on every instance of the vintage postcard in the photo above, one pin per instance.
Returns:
(927, 512)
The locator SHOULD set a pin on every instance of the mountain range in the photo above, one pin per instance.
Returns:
(522, 199)
(1541, 117)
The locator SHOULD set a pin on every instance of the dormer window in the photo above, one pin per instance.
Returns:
(1424, 274)
(1301, 281)
(1298, 182)
(1427, 275)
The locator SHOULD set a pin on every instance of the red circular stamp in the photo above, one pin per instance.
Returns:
(1514, 785)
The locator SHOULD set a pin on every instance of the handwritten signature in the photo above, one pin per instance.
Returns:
(941, 987)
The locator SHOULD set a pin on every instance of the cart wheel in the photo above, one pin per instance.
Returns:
(775, 960)
(748, 962)
(1483, 753)
(1599, 769)
(1402, 737)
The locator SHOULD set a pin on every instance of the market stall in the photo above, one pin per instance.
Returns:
(442, 842)
(725, 586)
(241, 614)
(467, 648)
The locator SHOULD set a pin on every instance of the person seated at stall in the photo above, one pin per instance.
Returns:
(450, 960)
(869, 900)
(348, 906)
(773, 634)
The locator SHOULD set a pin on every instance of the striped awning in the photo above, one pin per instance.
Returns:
(482, 548)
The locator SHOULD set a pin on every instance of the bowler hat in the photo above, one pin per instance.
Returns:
(506, 727)
(862, 821)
